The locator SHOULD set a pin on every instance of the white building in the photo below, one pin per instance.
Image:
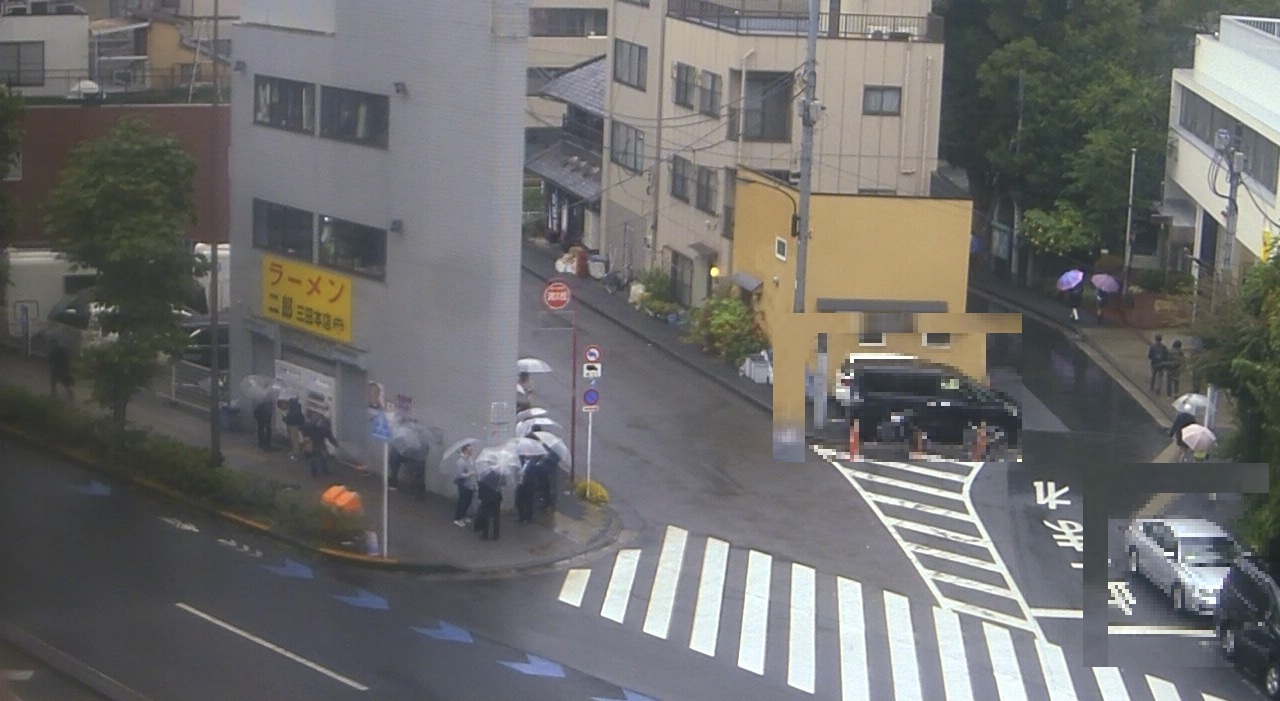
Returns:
(44, 46)
(376, 154)
(562, 33)
(1227, 88)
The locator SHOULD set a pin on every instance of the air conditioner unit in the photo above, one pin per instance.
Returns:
(794, 177)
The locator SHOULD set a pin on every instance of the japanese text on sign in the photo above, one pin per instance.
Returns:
(307, 297)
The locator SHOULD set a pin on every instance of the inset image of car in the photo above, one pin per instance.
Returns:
(1186, 558)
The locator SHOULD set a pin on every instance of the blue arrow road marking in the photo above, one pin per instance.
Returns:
(94, 488)
(536, 666)
(364, 599)
(292, 569)
(627, 695)
(447, 631)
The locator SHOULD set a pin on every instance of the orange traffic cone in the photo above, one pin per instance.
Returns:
(855, 441)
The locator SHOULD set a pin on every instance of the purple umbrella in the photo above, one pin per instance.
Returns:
(1070, 279)
(1106, 283)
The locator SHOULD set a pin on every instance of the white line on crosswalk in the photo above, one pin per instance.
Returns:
(917, 506)
(925, 471)
(575, 586)
(955, 669)
(1180, 631)
(983, 587)
(19, 675)
(905, 484)
(1057, 677)
(1056, 613)
(1004, 663)
(755, 612)
(935, 531)
(953, 557)
(619, 592)
(1162, 690)
(801, 658)
(854, 681)
(1210, 697)
(1111, 684)
(662, 600)
(902, 648)
(706, 614)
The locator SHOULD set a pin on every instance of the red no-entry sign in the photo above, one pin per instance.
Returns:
(556, 295)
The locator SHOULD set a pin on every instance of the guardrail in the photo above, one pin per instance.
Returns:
(788, 19)
(188, 384)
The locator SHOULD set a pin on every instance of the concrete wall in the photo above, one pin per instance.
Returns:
(66, 49)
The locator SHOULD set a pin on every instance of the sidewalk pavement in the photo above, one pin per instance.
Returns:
(422, 534)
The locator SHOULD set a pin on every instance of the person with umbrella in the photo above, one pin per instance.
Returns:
(319, 434)
(1181, 421)
(490, 484)
(524, 488)
(1103, 287)
(524, 392)
(1072, 282)
(294, 420)
(1173, 365)
(465, 480)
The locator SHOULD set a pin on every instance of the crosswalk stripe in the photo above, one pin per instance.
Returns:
(917, 506)
(619, 591)
(955, 669)
(803, 629)
(982, 612)
(854, 682)
(954, 557)
(926, 471)
(657, 622)
(1111, 684)
(1057, 677)
(902, 648)
(1004, 663)
(575, 586)
(1162, 690)
(926, 529)
(755, 612)
(983, 587)
(905, 484)
(706, 614)
(1210, 697)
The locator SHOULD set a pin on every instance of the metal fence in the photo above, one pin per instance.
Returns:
(188, 384)
(790, 19)
(122, 79)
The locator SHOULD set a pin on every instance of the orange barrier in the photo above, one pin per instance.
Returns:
(342, 500)
(855, 440)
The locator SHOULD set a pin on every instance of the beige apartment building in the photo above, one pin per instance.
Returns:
(562, 34)
(696, 87)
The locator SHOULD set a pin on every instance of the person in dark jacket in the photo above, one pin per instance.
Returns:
(524, 490)
(263, 413)
(294, 420)
(60, 369)
(490, 510)
(1075, 297)
(319, 435)
(1173, 365)
(545, 476)
(1181, 421)
(1157, 355)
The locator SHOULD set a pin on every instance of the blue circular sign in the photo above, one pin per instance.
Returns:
(591, 397)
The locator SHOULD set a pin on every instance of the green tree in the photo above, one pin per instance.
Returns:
(10, 139)
(121, 206)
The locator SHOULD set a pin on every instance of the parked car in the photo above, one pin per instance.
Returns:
(1186, 558)
(199, 350)
(877, 387)
(1247, 619)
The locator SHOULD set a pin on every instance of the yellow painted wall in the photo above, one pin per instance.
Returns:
(167, 54)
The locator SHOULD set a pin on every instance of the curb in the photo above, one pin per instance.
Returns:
(68, 665)
(611, 531)
(754, 401)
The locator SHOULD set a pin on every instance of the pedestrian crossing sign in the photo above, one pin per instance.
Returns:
(380, 428)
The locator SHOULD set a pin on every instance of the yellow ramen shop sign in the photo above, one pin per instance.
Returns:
(306, 297)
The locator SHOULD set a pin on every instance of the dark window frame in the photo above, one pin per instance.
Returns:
(708, 189)
(876, 99)
(294, 111)
(340, 116)
(930, 339)
(21, 76)
(681, 178)
(567, 22)
(1202, 119)
(626, 146)
(767, 106)
(686, 86)
(275, 236)
(710, 93)
(865, 338)
(631, 64)
(333, 229)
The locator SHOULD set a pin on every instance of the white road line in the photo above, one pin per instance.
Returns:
(755, 612)
(803, 629)
(1077, 565)
(657, 622)
(904, 484)
(619, 592)
(1031, 625)
(575, 586)
(954, 557)
(19, 675)
(1057, 676)
(935, 531)
(917, 506)
(1003, 619)
(1004, 663)
(955, 669)
(1210, 697)
(1162, 690)
(902, 648)
(1179, 631)
(926, 471)
(1111, 684)
(706, 614)
(272, 647)
(1003, 592)
(854, 680)
(1056, 613)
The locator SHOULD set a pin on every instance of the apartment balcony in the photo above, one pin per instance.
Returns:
(791, 18)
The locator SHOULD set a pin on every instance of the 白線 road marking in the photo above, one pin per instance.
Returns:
(902, 648)
(575, 586)
(1180, 631)
(854, 678)
(619, 592)
(273, 647)
(706, 614)
(1057, 677)
(662, 599)
(1004, 663)
(1111, 684)
(955, 669)
(1162, 690)
(1057, 613)
(803, 629)
(755, 612)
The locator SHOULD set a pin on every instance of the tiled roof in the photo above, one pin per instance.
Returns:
(572, 169)
(582, 86)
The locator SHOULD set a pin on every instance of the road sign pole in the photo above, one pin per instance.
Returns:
(386, 493)
(590, 423)
(573, 403)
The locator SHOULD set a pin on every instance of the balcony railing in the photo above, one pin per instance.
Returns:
(783, 18)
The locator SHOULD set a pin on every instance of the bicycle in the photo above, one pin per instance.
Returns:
(618, 279)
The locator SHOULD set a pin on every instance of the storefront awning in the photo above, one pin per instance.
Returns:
(570, 169)
(747, 281)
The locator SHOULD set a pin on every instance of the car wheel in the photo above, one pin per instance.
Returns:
(1227, 640)
(1179, 599)
(1133, 561)
(1271, 681)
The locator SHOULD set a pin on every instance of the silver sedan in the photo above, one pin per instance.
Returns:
(1186, 558)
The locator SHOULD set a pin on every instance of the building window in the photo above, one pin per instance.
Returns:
(871, 338)
(682, 278)
(685, 86)
(567, 22)
(937, 340)
(22, 63)
(626, 146)
(630, 64)
(537, 78)
(708, 189)
(767, 107)
(883, 100)
(641, 3)
(780, 248)
(286, 104)
(353, 247)
(681, 178)
(283, 229)
(710, 89)
(354, 116)
(1203, 119)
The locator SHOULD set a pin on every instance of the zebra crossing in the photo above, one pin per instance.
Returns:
(827, 635)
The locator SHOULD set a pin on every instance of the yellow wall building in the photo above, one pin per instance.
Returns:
(863, 247)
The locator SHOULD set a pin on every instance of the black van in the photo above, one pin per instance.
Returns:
(938, 399)
(1247, 620)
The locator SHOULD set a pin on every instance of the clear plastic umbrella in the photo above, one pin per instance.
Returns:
(525, 447)
(537, 423)
(408, 439)
(532, 365)
(1189, 403)
(259, 387)
(453, 449)
(555, 445)
(531, 413)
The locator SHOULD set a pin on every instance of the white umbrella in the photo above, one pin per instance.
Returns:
(525, 447)
(1189, 403)
(407, 437)
(532, 365)
(531, 413)
(257, 388)
(453, 449)
(555, 445)
(538, 423)
(1198, 438)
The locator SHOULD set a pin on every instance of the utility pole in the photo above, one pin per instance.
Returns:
(1017, 200)
(1128, 222)
(809, 109)
(655, 179)
(215, 369)
(1226, 143)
